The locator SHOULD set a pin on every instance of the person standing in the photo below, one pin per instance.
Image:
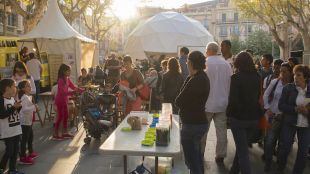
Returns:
(266, 63)
(20, 72)
(84, 78)
(294, 103)
(171, 83)
(219, 72)
(26, 114)
(113, 67)
(61, 101)
(191, 101)
(244, 110)
(182, 61)
(271, 100)
(24, 54)
(135, 82)
(226, 51)
(10, 129)
(35, 70)
(276, 72)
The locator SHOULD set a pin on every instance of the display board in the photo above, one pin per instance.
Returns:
(55, 60)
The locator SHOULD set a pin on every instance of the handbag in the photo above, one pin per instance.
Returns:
(145, 91)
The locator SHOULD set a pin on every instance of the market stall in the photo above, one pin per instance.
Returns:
(63, 44)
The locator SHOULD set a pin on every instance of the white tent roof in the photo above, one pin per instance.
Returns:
(53, 25)
(164, 33)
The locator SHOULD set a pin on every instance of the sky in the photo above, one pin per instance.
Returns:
(173, 3)
(125, 9)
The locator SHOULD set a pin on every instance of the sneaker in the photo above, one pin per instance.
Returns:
(25, 160)
(33, 155)
(57, 138)
(68, 136)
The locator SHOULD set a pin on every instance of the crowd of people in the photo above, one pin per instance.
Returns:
(265, 102)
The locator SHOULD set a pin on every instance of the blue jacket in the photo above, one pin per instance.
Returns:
(287, 103)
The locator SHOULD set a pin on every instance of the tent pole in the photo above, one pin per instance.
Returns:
(37, 48)
(76, 60)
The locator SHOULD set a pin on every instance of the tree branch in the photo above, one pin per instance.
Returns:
(19, 10)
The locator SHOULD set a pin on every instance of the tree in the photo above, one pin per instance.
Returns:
(236, 45)
(258, 41)
(31, 16)
(261, 43)
(98, 23)
(72, 9)
(263, 11)
(297, 13)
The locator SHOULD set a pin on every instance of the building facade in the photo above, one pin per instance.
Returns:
(222, 19)
(13, 21)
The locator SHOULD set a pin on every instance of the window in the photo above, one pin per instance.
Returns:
(236, 17)
(249, 28)
(12, 19)
(223, 31)
(235, 30)
(205, 23)
(224, 17)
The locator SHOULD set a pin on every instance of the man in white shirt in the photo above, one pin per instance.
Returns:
(219, 72)
(35, 70)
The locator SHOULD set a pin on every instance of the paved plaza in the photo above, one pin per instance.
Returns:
(74, 157)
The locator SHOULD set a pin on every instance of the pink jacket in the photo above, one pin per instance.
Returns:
(63, 90)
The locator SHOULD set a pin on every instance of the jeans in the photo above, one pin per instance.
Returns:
(220, 122)
(273, 134)
(191, 135)
(10, 154)
(37, 83)
(27, 139)
(240, 130)
(287, 139)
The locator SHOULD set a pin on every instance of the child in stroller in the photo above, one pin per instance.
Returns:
(99, 114)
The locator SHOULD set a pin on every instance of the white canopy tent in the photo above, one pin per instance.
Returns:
(55, 35)
(165, 33)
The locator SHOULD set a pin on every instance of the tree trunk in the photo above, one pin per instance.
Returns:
(306, 42)
(31, 20)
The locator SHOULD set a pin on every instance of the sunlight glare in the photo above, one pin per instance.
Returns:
(125, 9)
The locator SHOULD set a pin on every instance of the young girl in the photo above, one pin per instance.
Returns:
(61, 101)
(10, 128)
(26, 112)
(20, 72)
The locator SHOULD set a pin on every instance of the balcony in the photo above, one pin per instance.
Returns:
(10, 30)
(223, 34)
(232, 21)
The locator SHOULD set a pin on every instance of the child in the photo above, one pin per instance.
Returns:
(61, 101)
(10, 128)
(152, 78)
(26, 113)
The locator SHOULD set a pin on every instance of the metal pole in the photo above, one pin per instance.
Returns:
(272, 49)
(4, 20)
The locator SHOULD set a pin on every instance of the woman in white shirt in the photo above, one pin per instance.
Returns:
(271, 99)
(294, 103)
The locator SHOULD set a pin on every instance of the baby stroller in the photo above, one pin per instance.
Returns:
(98, 114)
